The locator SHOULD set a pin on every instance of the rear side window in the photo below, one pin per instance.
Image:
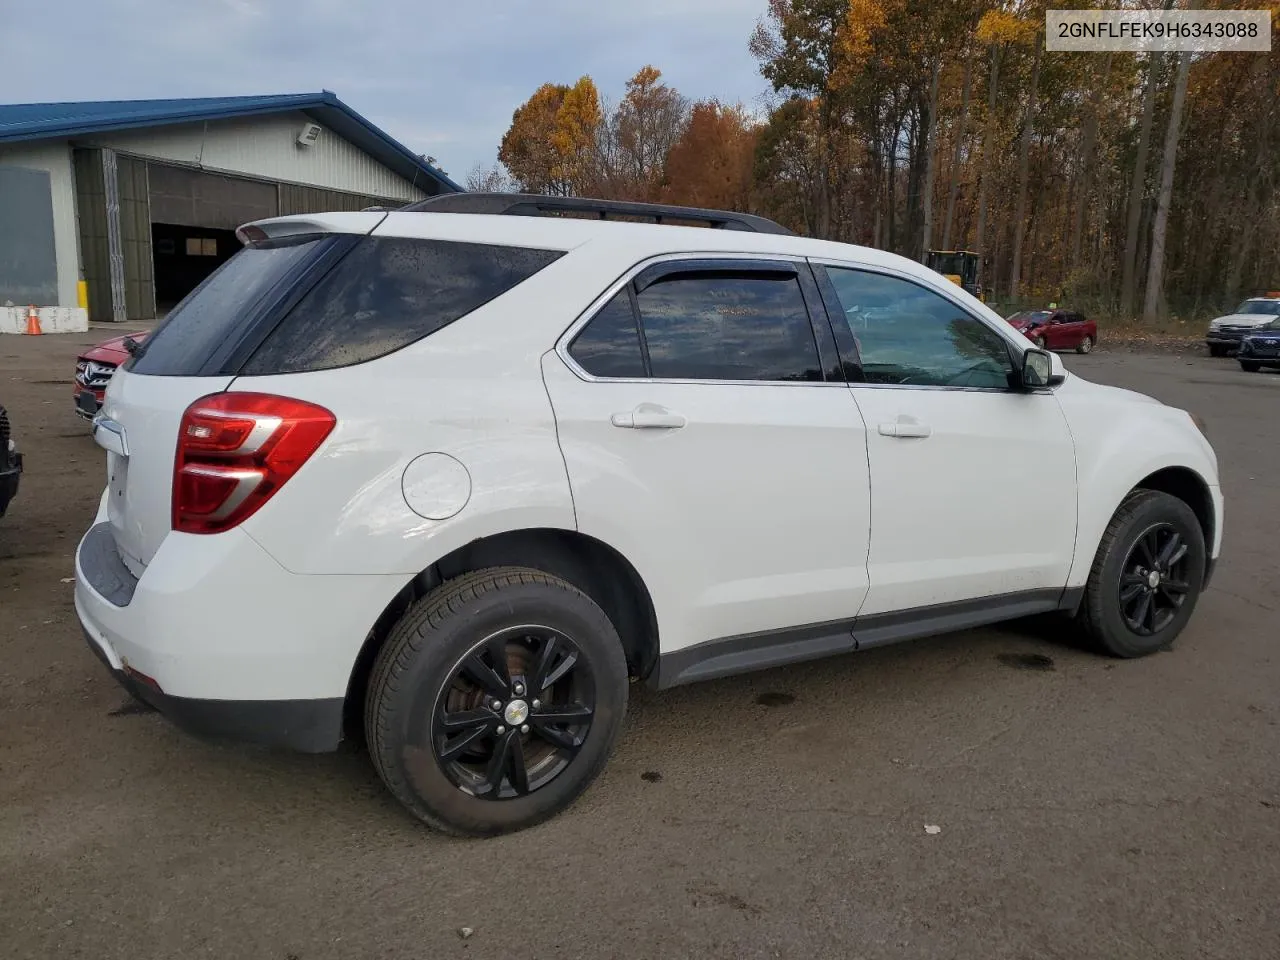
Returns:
(385, 294)
(609, 346)
(728, 328)
(217, 309)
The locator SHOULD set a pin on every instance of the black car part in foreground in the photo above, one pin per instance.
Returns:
(10, 464)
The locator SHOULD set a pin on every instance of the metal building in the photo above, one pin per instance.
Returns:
(114, 210)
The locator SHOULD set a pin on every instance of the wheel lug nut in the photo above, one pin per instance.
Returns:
(525, 728)
(537, 704)
(497, 704)
(501, 729)
(519, 688)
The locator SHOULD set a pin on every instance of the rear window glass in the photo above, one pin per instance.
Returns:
(211, 314)
(385, 294)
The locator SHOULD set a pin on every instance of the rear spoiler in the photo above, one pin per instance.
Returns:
(364, 222)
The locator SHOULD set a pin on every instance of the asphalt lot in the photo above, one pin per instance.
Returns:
(1088, 807)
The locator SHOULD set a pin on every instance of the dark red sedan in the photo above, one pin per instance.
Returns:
(94, 368)
(1056, 329)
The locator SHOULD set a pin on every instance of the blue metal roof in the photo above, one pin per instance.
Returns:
(40, 121)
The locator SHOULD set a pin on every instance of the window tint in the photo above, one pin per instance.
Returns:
(910, 335)
(387, 293)
(214, 312)
(728, 327)
(609, 345)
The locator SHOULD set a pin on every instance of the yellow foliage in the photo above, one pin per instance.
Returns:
(864, 18)
(1001, 26)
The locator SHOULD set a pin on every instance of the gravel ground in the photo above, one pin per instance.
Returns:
(1087, 807)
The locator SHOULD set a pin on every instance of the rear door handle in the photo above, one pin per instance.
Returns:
(648, 416)
(905, 430)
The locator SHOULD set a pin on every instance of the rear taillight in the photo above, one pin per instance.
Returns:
(235, 450)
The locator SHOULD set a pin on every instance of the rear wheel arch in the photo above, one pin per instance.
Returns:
(591, 565)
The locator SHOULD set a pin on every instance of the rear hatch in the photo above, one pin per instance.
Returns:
(192, 354)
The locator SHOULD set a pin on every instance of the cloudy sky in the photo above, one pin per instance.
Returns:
(441, 77)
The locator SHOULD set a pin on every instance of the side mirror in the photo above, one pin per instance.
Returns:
(1039, 370)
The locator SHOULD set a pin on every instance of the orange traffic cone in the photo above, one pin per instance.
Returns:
(33, 321)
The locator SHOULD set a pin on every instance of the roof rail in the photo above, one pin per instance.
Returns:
(535, 205)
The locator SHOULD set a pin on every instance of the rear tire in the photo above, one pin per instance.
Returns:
(1216, 350)
(1250, 366)
(450, 717)
(1086, 345)
(1146, 576)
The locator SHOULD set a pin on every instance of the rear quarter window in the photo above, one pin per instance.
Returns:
(387, 293)
(221, 307)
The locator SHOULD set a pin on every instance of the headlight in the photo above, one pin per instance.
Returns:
(1215, 325)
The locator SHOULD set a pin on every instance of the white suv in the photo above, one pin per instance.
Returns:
(460, 471)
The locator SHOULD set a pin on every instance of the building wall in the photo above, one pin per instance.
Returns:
(266, 147)
(55, 159)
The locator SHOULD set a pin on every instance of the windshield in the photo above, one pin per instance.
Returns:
(1268, 307)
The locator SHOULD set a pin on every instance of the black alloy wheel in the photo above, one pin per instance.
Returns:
(514, 713)
(1146, 576)
(495, 700)
(1154, 583)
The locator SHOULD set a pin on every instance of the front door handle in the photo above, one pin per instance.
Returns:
(648, 416)
(903, 429)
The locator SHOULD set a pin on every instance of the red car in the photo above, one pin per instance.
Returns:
(94, 368)
(1056, 329)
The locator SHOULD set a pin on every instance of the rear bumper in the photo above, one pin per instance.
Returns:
(223, 640)
(10, 474)
(308, 726)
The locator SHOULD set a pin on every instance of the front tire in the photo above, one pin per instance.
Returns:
(495, 701)
(1216, 350)
(1250, 366)
(1146, 576)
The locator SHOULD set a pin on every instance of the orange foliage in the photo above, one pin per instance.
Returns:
(711, 164)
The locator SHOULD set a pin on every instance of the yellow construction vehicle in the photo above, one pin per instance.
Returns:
(958, 266)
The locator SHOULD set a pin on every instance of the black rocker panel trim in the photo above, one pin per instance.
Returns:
(773, 648)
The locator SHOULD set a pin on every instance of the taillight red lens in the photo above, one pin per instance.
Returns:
(235, 450)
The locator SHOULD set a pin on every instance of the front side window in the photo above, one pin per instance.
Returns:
(911, 336)
(728, 327)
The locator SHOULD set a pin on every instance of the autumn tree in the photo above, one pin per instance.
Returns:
(801, 46)
(711, 164)
(895, 124)
(549, 145)
(786, 166)
(650, 120)
(484, 179)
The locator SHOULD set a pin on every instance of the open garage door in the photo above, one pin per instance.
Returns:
(151, 232)
(193, 220)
